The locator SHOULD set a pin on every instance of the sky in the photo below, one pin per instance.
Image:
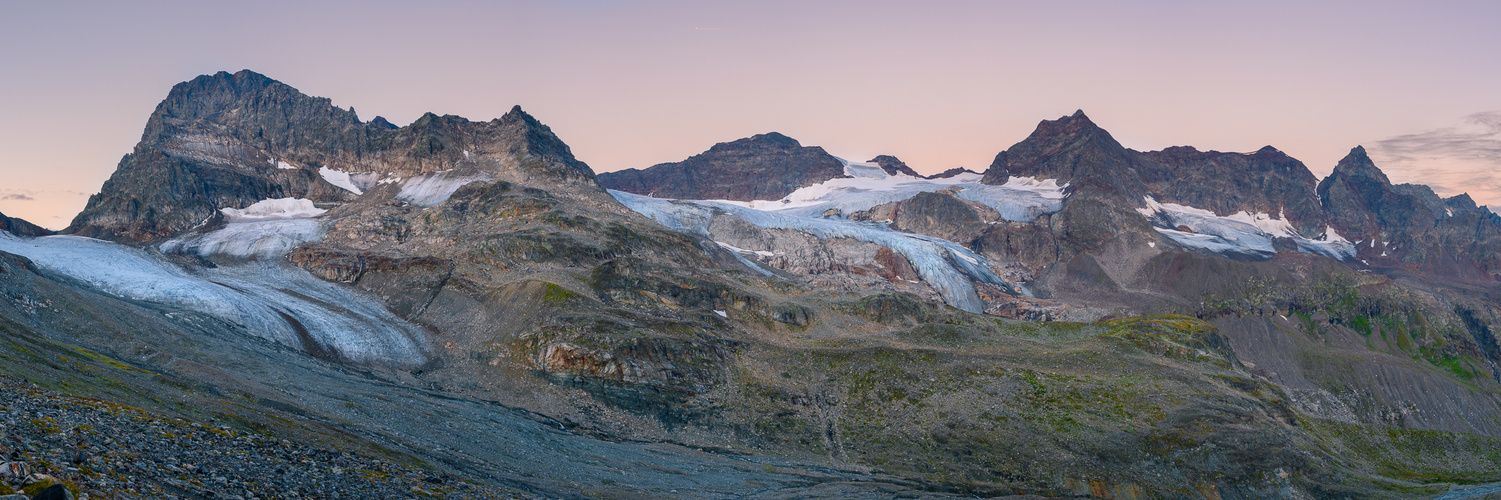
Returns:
(939, 84)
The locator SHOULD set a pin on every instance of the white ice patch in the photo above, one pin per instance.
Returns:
(1239, 234)
(946, 266)
(266, 229)
(278, 208)
(284, 165)
(268, 299)
(721, 314)
(866, 170)
(339, 178)
(1021, 199)
(431, 189)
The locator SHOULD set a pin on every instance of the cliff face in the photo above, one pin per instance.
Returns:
(1409, 227)
(1266, 181)
(762, 167)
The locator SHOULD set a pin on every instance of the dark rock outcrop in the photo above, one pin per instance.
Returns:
(893, 166)
(940, 215)
(21, 227)
(1103, 186)
(1408, 226)
(762, 167)
(953, 172)
(1267, 181)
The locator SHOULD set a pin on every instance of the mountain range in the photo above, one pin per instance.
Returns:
(767, 320)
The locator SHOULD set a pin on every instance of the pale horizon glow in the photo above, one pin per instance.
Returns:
(628, 84)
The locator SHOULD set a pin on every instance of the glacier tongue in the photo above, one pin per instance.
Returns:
(271, 300)
(264, 239)
(944, 265)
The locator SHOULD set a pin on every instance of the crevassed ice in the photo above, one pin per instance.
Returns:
(339, 178)
(944, 265)
(1242, 233)
(266, 229)
(269, 238)
(256, 296)
(1021, 199)
(431, 189)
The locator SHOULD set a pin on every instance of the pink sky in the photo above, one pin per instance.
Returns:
(634, 83)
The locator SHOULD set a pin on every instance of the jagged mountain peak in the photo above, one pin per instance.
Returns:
(1358, 163)
(1071, 149)
(381, 122)
(231, 140)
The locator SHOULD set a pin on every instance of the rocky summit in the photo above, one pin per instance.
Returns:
(273, 298)
(761, 167)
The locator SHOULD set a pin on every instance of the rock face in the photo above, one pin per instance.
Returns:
(1267, 181)
(230, 140)
(1407, 225)
(20, 227)
(762, 167)
(1104, 188)
(892, 166)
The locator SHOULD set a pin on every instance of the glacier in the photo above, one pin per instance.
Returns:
(946, 266)
(1021, 199)
(1240, 234)
(269, 299)
(266, 229)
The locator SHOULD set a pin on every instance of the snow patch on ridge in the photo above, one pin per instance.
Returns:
(278, 208)
(431, 189)
(863, 169)
(339, 178)
(1240, 234)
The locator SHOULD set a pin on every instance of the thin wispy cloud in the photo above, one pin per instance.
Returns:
(1461, 159)
(16, 197)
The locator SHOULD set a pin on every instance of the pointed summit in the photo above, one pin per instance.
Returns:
(1357, 195)
(1358, 163)
(1071, 149)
